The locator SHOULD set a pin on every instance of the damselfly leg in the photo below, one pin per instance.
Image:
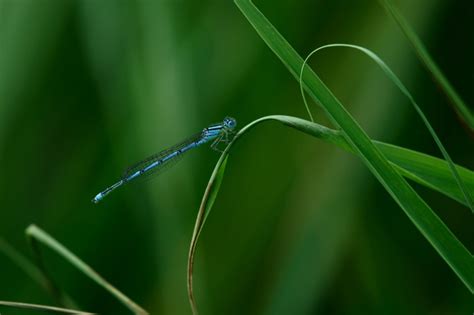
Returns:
(222, 138)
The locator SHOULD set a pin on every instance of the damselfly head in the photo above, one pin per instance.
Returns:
(230, 123)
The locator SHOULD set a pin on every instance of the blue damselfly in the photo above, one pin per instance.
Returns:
(216, 133)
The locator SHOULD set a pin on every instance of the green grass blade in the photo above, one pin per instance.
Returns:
(429, 224)
(43, 308)
(36, 235)
(391, 75)
(461, 108)
(208, 200)
(424, 169)
(429, 171)
(205, 208)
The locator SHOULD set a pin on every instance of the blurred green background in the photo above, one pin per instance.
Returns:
(299, 227)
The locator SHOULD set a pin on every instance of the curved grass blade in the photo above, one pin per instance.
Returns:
(461, 108)
(205, 208)
(429, 171)
(422, 216)
(391, 75)
(207, 202)
(43, 308)
(36, 235)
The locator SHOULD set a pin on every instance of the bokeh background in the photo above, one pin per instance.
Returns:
(300, 227)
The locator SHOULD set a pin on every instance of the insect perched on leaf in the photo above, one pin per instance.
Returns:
(217, 133)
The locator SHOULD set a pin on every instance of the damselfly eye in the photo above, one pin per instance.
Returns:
(230, 122)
